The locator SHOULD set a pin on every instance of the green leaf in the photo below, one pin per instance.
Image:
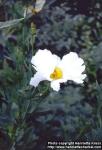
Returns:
(10, 23)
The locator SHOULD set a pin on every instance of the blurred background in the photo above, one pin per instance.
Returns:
(29, 117)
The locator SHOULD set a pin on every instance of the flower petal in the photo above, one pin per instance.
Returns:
(80, 79)
(55, 85)
(45, 62)
(72, 67)
(36, 79)
(72, 59)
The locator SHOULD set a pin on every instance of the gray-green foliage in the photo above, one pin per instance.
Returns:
(30, 116)
(10, 23)
(96, 55)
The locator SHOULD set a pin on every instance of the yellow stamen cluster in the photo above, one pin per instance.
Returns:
(57, 74)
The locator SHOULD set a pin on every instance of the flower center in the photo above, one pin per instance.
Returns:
(57, 74)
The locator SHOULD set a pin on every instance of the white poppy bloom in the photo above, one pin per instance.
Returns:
(50, 67)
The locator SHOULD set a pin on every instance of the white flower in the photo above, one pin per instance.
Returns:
(50, 67)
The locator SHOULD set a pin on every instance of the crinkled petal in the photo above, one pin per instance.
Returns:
(55, 85)
(80, 79)
(36, 79)
(71, 60)
(73, 67)
(44, 61)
